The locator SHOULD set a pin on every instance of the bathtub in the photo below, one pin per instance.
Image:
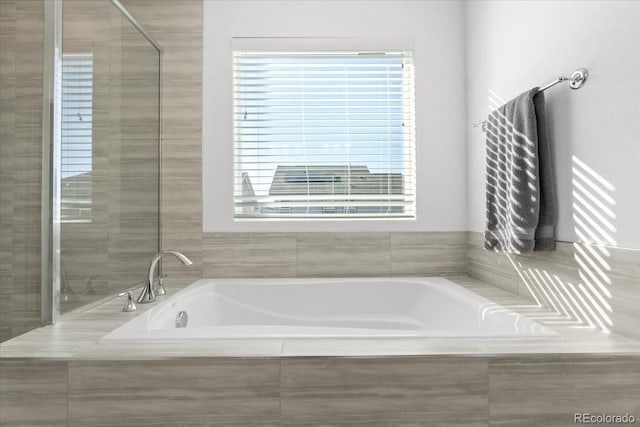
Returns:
(434, 307)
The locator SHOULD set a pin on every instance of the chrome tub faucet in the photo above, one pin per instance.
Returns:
(148, 294)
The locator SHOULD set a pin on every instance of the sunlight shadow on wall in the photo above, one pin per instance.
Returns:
(577, 288)
(572, 284)
(593, 215)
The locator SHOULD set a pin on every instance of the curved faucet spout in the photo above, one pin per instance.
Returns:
(148, 294)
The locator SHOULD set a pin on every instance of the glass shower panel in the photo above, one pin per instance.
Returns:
(108, 156)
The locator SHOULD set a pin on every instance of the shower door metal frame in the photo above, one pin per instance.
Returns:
(50, 227)
(51, 140)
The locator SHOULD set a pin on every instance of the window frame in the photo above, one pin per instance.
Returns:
(409, 192)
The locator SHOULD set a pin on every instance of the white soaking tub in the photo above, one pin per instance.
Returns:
(431, 307)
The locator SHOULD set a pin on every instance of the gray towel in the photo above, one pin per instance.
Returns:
(521, 205)
(548, 215)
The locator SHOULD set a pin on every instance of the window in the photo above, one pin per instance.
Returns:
(77, 137)
(324, 134)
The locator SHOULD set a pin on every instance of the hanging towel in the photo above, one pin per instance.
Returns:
(548, 215)
(521, 205)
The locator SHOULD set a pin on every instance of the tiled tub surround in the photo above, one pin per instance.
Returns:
(333, 381)
(584, 284)
(315, 381)
(334, 254)
(394, 391)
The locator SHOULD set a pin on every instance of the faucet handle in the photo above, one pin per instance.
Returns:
(159, 289)
(129, 305)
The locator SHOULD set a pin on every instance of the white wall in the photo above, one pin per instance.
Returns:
(437, 30)
(512, 46)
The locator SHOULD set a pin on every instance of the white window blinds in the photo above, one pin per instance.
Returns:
(77, 137)
(324, 134)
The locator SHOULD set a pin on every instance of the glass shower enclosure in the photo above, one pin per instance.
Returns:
(101, 154)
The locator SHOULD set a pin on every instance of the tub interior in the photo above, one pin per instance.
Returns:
(226, 309)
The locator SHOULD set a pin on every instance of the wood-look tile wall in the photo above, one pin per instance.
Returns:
(547, 391)
(21, 32)
(177, 27)
(174, 392)
(389, 391)
(333, 254)
(119, 242)
(33, 393)
(597, 286)
(432, 391)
